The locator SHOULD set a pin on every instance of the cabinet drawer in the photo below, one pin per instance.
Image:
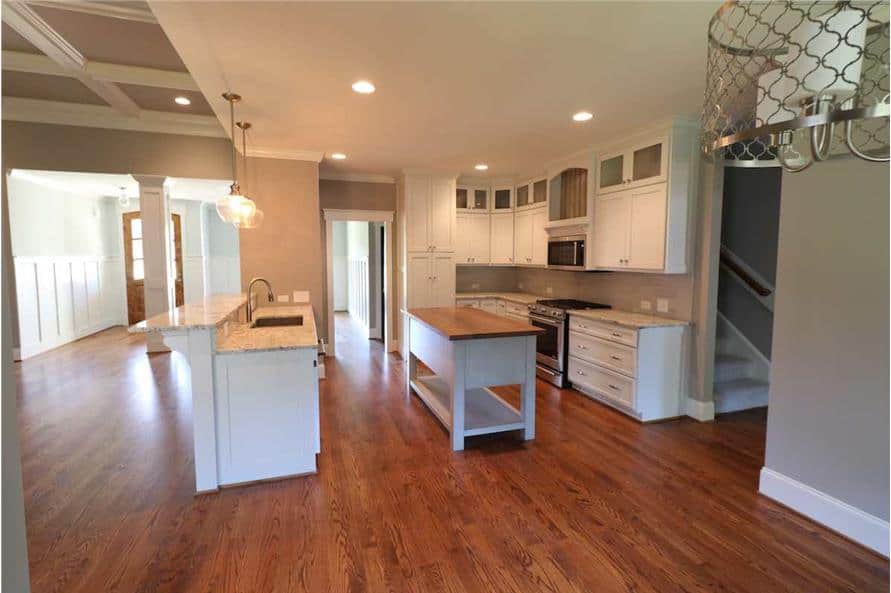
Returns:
(606, 383)
(516, 309)
(605, 353)
(606, 331)
(500, 307)
(473, 303)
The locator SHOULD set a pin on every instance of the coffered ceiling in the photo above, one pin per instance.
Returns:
(97, 64)
(458, 83)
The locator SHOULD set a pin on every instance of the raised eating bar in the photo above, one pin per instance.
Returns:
(469, 351)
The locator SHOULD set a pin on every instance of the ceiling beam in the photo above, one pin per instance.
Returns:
(18, 61)
(100, 116)
(32, 27)
(100, 9)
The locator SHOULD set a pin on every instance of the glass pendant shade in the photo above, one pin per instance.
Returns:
(230, 207)
(252, 220)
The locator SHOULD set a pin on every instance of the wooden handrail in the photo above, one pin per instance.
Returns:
(728, 260)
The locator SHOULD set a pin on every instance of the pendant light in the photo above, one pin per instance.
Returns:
(250, 217)
(231, 207)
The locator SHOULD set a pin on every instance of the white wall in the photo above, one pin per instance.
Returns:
(223, 264)
(340, 257)
(358, 274)
(68, 264)
(827, 431)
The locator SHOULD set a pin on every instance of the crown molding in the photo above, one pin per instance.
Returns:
(101, 116)
(114, 11)
(285, 154)
(359, 177)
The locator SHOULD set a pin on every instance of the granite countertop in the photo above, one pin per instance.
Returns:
(241, 337)
(523, 298)
(627, 318)
(206, 313)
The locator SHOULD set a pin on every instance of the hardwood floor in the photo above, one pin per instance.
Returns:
(597, 503)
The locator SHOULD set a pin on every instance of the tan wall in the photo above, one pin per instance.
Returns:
(287, 249)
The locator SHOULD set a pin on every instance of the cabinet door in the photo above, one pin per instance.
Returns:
(418, 281)
(480, 239)
(417, 214)
(502, 240)
(540, 191)
(461, 200)
(523, 237)
(441, 215)
(539, 237)
(611, 172)
(481, 199)
(442, 287)
(488, 305)
(503, 200)
(649, 162)
(646, 244)
(523, 197)
(611, 218)
(464, 231)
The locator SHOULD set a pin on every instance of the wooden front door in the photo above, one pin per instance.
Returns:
(134, 264)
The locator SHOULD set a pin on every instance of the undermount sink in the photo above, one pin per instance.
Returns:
(278, 321)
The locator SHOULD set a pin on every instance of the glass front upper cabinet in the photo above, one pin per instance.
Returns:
(637, 165)
(461, 198)
(540, 191)
(480, 199)
(502, 199)
(523, 196)
(472, 198)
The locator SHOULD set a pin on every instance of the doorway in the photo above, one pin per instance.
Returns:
(359, 275)
(134, 264)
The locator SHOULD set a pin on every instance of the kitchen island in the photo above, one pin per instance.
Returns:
(469, 351)
(255, 408)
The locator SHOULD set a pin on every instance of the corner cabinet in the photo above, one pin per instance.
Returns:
(429, 213)
(645, 194)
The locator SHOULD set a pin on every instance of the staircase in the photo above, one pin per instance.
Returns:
(742, 374)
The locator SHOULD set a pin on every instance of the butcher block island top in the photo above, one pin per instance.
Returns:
(465, 323)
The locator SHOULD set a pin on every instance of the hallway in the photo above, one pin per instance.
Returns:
(597, 502)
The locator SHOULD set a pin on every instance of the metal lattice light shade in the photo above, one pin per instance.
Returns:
(793, 83)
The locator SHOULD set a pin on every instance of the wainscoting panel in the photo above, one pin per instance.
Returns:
(61, 299)
(358, 289)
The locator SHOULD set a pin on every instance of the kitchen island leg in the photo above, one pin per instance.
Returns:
(527, 391)
(459, 352)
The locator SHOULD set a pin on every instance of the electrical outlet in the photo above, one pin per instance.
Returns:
(475, 286)
(646, 306)
(549, 290)
(520, 285)
(283, 298)
(662, 305)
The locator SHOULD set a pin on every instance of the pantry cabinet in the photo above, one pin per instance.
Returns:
(629, 229)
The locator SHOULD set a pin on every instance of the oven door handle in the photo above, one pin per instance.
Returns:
(552, 322)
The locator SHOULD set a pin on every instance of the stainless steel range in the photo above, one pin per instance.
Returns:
(551, 356)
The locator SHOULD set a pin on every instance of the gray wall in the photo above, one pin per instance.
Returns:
(828, 421)
(750, 229)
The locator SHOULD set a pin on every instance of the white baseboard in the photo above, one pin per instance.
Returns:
(700, 410)
(27, 351)
(835, 514)
(16, 354)
(394, 346)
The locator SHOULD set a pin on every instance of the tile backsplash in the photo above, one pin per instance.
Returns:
(621, 290)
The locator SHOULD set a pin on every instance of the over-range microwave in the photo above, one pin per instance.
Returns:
(567, 253)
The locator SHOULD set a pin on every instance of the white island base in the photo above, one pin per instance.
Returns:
(458, 392)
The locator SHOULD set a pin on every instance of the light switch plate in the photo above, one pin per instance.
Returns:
(520, 285)
(662, 305)
(646, 306)
(549, 290)
(475, 286)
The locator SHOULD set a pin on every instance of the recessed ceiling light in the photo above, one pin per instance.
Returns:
(363, 86)
(582, 116)
(182, 101)
(338, 156)
(481, 167)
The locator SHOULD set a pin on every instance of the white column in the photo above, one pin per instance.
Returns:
(154, 210)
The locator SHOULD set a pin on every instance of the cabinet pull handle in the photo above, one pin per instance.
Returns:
(581, 347)
(580, 373)
(614, 357)
(613, 386)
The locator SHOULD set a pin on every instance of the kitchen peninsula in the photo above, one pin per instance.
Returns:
(255, 402)
(469, 351)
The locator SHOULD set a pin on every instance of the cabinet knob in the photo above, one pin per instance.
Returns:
(580, 373)
(581, 347)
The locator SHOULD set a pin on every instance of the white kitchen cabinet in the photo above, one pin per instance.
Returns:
(431, 280)
(502, 238)
(471, 199)
(472, 245)
(530, 237)
(429, 213)
(637, 370)
(630, 229)
(638, 164)
(488, 305)
(502, 199)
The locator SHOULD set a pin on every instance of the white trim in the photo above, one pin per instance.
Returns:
(286, 154)
(100, 9)
(32, 27)
(17, 354)
(831, 512)
(19, 61)
(394, 346)
(360, 177)
(700, 410)
(100, 116)
(361, 215)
